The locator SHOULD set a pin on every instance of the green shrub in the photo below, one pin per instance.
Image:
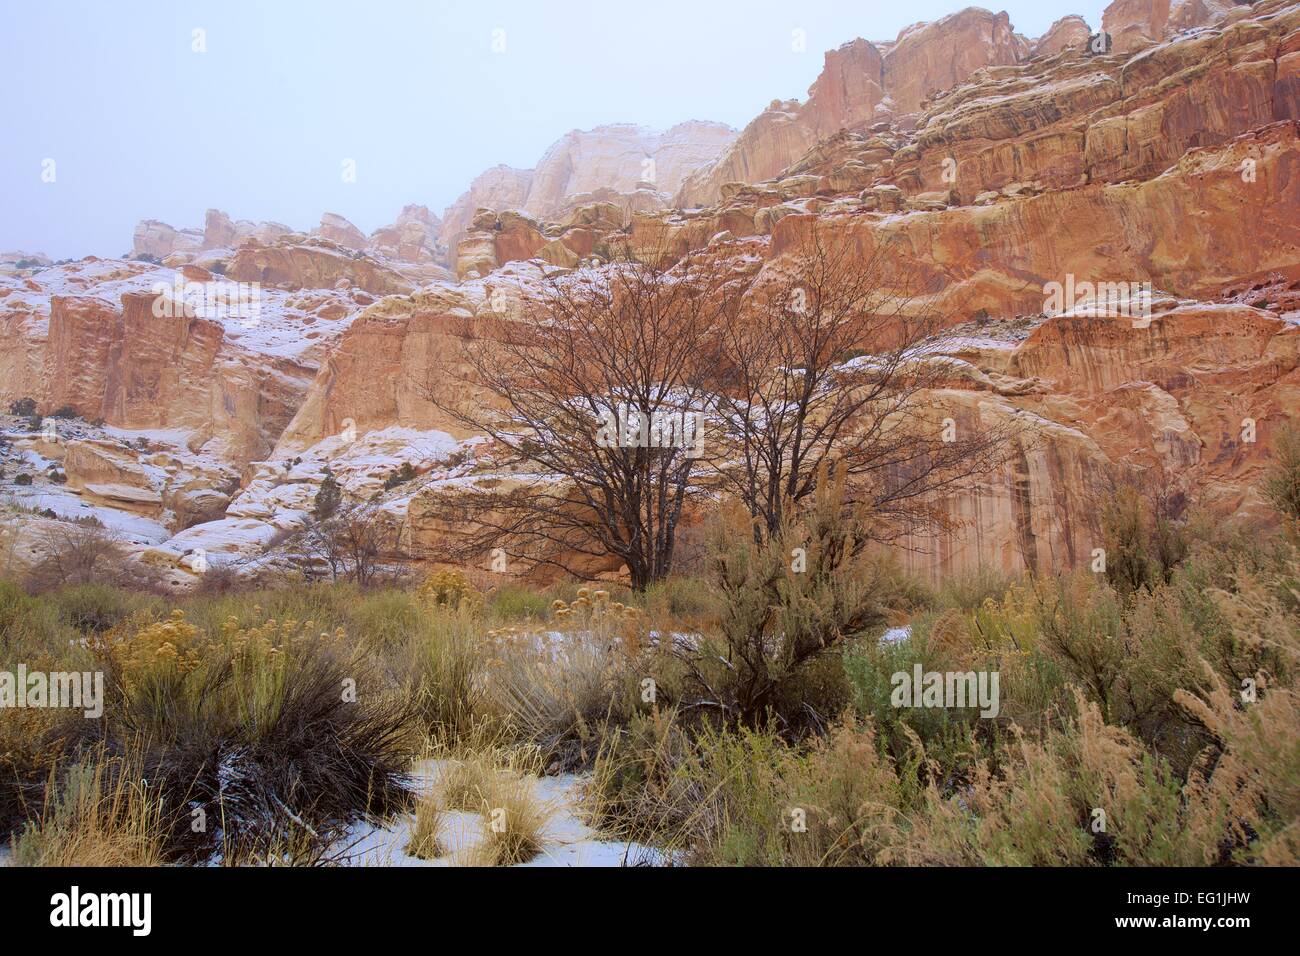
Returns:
(1281, 484)
(328, 497)
(97, 607)
(402, 475)
(786, 606)
(517, 602)
(682, 599)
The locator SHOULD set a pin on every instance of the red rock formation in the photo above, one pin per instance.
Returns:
(857, 86)
(219, 232)
(1107, 119)
(317, 264)
(1133, 24)
(385, 372)
(619, 160)
(1176, 165)
(845, 94)
(767, 145)
(141, 371)
(980, 257)
(412, 238)
(501, 187)
(337, 229)
(157, 239)
(494, 240)
(935, 56)
(1067, 33)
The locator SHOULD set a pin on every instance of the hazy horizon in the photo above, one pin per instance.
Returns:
(141, 126)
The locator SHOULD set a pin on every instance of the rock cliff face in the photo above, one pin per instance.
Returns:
(992, 166)
(501, 187)
(936, 56)
(157, 239)
(615, 159)
(976, 257)
(1133, 24)
(1092, 119)
(315, 264)
(219, 232)
(1067, 33)
(413, 240)
(97, 342)
(864, 83)
(859, 86)
(413, 237)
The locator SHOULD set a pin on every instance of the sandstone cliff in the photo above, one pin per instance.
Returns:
(991, 166)
(616, 159)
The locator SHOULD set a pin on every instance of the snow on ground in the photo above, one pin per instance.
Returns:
(569, 841)
(130, 528)
(105, 279)
(974, 343)
(283, 491)
(284, 329)
(225, 536)
(154, 459)
(286, 324)
(895, 635)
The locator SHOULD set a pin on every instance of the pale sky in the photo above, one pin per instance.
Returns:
(140, 126)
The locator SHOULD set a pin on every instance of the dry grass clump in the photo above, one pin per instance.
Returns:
(1087, 793)
(442, 667)
(99, 813)
(248, 734)
(464, 784)
(563, 690)
(514, 822)
(425, 840)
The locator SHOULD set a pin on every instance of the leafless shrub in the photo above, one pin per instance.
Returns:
(75, 553)
(356, 543)
(833, 364)
(635, 338)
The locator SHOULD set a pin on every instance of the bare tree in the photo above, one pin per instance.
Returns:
(356, 542)
(832, 366)
(598, 400)
(77, 552)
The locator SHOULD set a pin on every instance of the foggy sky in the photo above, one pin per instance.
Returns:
(139, 125)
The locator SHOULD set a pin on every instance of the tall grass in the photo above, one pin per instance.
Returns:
(1169, 701)
(100, 812)
(514, 821)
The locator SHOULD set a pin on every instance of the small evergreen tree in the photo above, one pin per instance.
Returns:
(1282, 480)
(23, 407)
(399, 477)
(329, 497)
